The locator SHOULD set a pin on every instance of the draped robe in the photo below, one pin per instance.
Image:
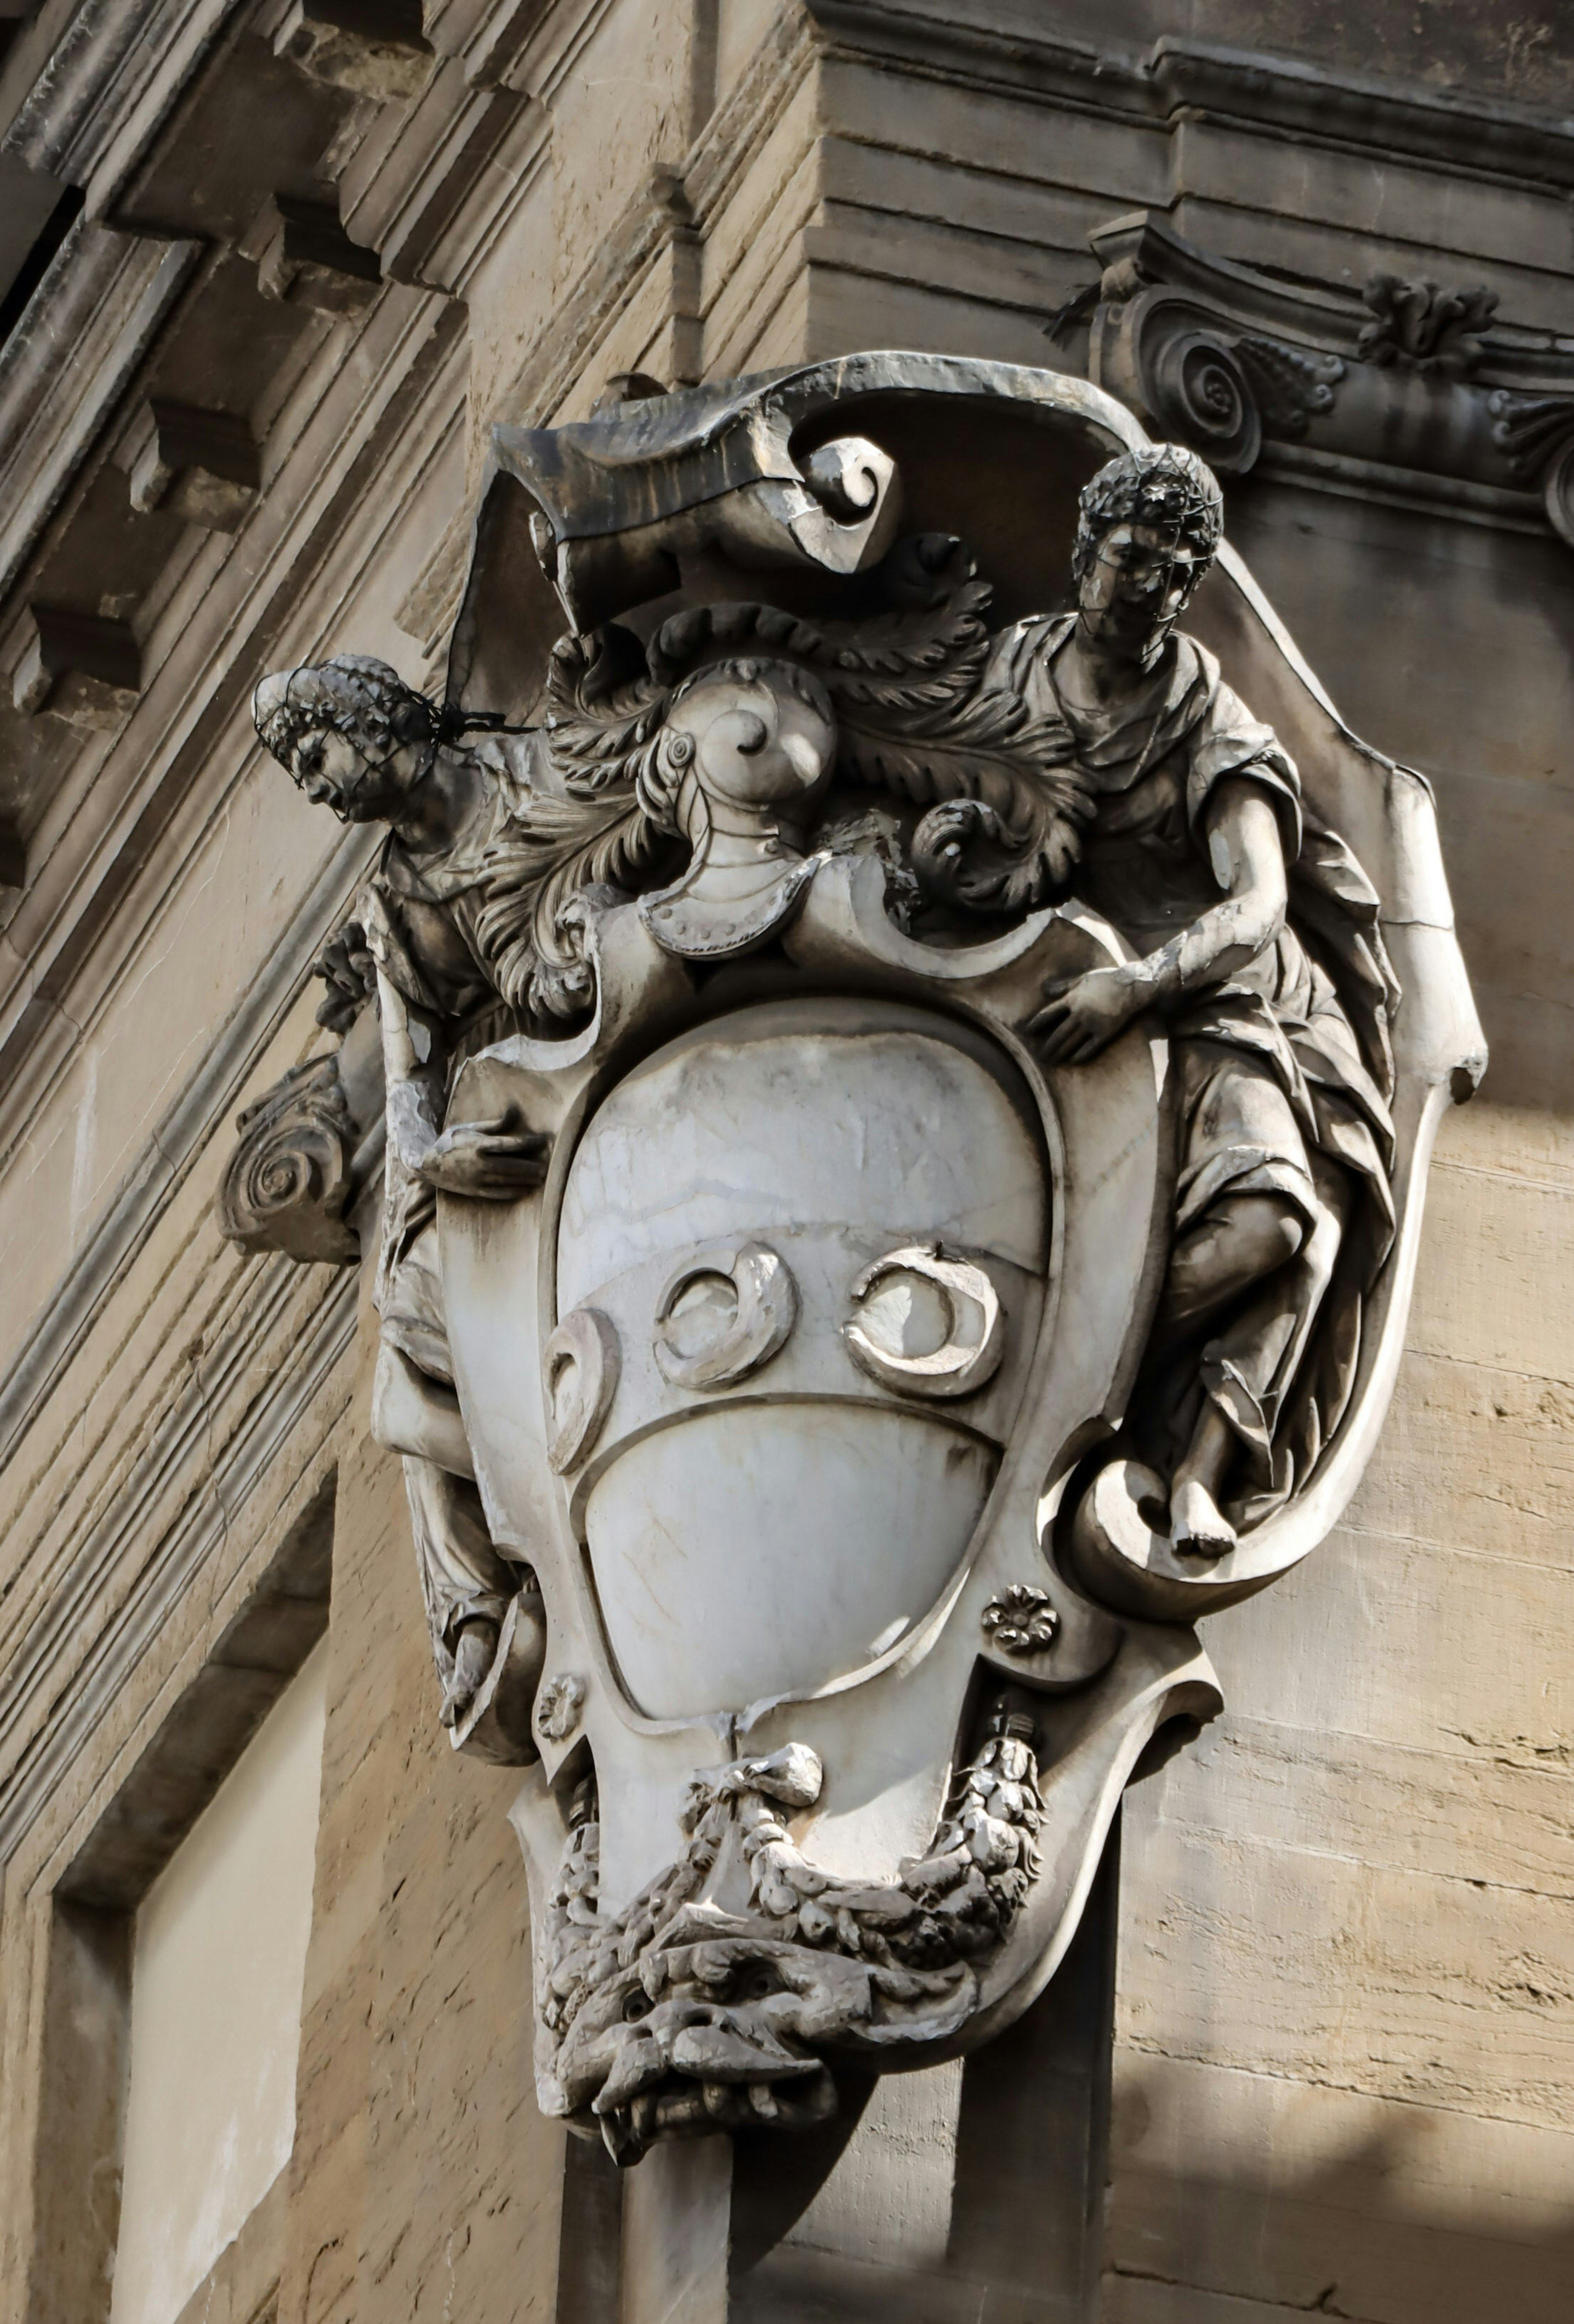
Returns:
(418, 913)
(1283, 1067)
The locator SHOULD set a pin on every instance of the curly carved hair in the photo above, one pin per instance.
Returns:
(354, 695)
(1165, 485)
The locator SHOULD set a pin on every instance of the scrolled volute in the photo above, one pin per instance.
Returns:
(1535, 435)
(1200, 392)
(288, 1181)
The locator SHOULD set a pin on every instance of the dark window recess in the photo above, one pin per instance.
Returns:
(374, 19)
(35, 265)
(206, 1732)
(87, 1999)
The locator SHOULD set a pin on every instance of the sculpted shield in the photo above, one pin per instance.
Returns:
(821, 1293)
(907, 1110)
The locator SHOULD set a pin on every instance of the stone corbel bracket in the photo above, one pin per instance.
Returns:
(1406, 390)
(202, 466)
(307, 1150)
(373, 48)
(305, 258)
(83, 668)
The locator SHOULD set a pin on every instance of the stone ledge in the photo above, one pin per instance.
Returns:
(1481, 136)
(211, 1487)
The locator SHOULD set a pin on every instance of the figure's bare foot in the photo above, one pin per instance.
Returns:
(473, 1656)
(1197, 1527)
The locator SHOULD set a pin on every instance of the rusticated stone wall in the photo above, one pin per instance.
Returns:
(425, 2181)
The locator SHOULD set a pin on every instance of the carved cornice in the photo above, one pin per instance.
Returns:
(109, 81)
(1474, 136)
(411, 193)
(86, 895)
(94, 316)
(1408, 389)
(1479, 135)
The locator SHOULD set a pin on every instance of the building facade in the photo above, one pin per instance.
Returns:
(274, 274)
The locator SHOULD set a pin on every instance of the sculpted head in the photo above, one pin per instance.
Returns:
(350, 732)
(1150, 525)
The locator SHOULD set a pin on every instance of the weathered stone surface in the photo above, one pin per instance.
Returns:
(835, 176)
(423, 2174)
(1372, 2107)
(1244, 2196)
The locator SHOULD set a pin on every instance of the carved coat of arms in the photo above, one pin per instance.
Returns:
(912, 1037)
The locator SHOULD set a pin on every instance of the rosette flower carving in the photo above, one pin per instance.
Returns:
(288, 1181)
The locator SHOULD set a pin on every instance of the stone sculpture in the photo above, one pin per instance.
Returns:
(905, 1134)
(1283, 1064)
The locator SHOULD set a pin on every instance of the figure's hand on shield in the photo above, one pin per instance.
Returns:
(492, 1161)
(1082, 1014)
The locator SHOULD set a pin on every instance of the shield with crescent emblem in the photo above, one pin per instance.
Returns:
(910, 1082)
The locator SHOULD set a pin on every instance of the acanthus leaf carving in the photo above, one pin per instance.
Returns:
(1536, 433)
(1421, 326)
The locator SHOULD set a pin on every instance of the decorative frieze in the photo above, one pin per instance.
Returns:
(1410, 388)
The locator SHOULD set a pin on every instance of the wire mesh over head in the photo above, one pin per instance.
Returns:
(1164, 485)
(354, 695)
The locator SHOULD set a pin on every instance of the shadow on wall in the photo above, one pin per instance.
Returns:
(1466, 674)
(1408, 2222)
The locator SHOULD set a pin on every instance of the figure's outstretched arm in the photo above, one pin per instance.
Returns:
(1247, 855)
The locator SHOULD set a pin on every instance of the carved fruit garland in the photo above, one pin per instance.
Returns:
(683, 2016)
